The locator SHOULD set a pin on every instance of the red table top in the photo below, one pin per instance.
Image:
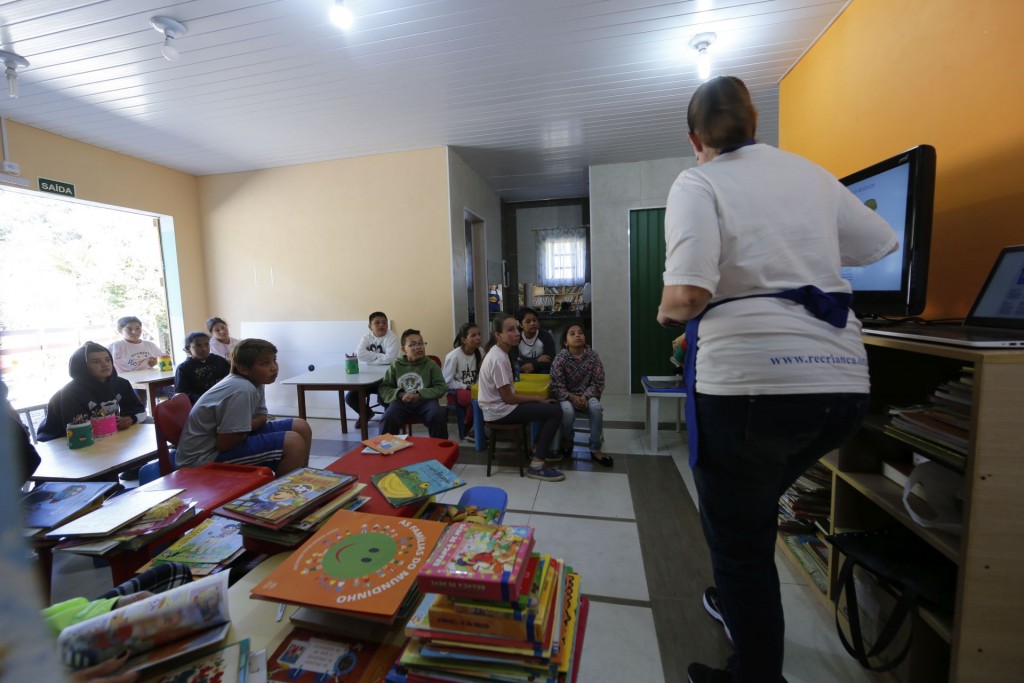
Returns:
(365, 465)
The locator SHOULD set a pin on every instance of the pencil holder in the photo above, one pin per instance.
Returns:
(104, 426)
(80, 435)
(164, 364)
(351, 366)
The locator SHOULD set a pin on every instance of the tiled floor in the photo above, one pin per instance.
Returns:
(644, 624)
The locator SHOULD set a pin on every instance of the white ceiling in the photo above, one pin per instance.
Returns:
(528, 92)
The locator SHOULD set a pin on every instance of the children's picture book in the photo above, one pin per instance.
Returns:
(114, 513)
(450, 514)
(386, 443)
(230, 664)
(55, 502)
(357, 563)
(154, 523)
(479, 561)
(286, 498)
(312, 657)
(213, 541)
(415, 482)
(145, 625)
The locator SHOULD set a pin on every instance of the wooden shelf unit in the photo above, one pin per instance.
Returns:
(983, 639)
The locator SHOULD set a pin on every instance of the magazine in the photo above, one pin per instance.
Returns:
(114, 514)
(230, 664)
(148, 624)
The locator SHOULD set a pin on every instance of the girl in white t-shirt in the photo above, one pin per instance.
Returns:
(500, 403)
(221, 341)
(461, 366)
(132, 352)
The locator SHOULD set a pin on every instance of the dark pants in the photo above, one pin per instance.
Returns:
(548, 414)
(352, 401)
(429, 411)
(751, 449)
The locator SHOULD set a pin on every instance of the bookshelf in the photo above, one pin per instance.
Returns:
(981, 640)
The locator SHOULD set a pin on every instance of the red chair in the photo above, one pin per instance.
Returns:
(170, 417)
(407, 425)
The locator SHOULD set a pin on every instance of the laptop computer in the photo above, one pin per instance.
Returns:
(996, 320)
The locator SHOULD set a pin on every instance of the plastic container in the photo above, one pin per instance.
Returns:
(351, 366)
(104, 426)
(164, 364)
(80, 435)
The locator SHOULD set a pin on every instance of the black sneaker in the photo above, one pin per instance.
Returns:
(712, 607)
(701, 673)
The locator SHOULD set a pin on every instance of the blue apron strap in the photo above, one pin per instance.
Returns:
(830, 307)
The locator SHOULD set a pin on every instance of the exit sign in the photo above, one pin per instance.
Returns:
(56, 187)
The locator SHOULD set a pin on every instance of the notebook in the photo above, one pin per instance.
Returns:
(996, 320)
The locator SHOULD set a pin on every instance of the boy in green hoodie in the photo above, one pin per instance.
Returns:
(412, 386)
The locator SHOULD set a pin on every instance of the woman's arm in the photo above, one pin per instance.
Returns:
(679, 303)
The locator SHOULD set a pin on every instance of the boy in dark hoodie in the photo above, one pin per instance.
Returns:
(412, 386)
(94, 382)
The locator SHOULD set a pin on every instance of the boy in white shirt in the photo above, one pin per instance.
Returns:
(379, 346)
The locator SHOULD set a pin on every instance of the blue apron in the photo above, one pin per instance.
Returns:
(830, 307)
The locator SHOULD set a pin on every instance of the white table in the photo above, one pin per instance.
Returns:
(335, 378)
(113, 453)
(653, 397)
(151, 380)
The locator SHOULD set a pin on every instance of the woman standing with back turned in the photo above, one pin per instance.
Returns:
(776, 372)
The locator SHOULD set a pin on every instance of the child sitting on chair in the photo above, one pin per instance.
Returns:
(221, 343)
(412, 386)
(201, 370)
(536, 347)
(132, 352)
(379, 346)
(500, 403)
(94, 387)
(461, 366)
(577, 382)
(229, 423)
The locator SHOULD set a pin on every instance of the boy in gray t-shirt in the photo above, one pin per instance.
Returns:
(229, 423)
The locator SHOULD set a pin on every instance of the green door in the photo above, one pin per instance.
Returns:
(650, 343)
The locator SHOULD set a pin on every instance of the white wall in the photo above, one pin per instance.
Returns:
(615, 190)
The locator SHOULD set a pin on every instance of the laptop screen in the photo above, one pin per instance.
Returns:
(1001, 301)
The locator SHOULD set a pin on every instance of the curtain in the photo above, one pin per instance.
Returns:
(561, 256)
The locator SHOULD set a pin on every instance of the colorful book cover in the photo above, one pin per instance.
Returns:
(54, 502)
(415, 482)
(313, 657)
(450, 514)
(214, 540)
(571, 616)
(386, 443)
(285, 498)
(227, 665)
(529, 594)
(479, 561)
(114, 513)
(356, 562)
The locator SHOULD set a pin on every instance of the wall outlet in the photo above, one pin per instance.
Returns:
(12, 168)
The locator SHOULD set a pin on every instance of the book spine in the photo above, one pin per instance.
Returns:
(440, 617)
(465, 587)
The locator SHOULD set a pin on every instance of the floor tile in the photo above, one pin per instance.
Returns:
(813, 650)
(622, 441)
(620, 645)
(592, 494)
(606, 554)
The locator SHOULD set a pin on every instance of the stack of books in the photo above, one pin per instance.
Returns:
(125, 522)
(207, 549)
(804, 521)
(356, 566)
(451, 514)
(288, 509)
(940, 427)
(494, 610)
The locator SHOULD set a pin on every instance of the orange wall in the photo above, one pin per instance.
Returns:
(890, 75)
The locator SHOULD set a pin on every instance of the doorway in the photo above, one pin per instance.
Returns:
(650, 343)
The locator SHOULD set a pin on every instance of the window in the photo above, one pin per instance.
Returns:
(562, 256)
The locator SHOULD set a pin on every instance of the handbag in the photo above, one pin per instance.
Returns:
(899, 559)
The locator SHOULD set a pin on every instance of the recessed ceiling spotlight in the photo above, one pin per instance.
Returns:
(700, 43)
(341, 16)
(171, 29)
(12, 63)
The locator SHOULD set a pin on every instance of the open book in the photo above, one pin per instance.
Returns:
(157, 629)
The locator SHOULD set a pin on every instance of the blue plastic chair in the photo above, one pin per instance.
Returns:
(486, 497)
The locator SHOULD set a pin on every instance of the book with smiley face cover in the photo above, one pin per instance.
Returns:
(357, 564)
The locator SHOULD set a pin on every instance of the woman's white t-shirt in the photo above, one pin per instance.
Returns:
(495, 372)
(761, 220)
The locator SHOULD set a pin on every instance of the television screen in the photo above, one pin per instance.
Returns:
(900, 189)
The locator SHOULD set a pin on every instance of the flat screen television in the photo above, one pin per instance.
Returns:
(901, 189)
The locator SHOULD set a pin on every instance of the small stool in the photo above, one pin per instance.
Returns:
(516, 432)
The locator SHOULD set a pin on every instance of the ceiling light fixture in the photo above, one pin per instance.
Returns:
(341, 16)
(171, 29)
(12, 62)
(700, 43)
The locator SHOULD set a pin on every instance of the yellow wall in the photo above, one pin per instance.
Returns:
(100, 175)
(890, 75)
(333, 240)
